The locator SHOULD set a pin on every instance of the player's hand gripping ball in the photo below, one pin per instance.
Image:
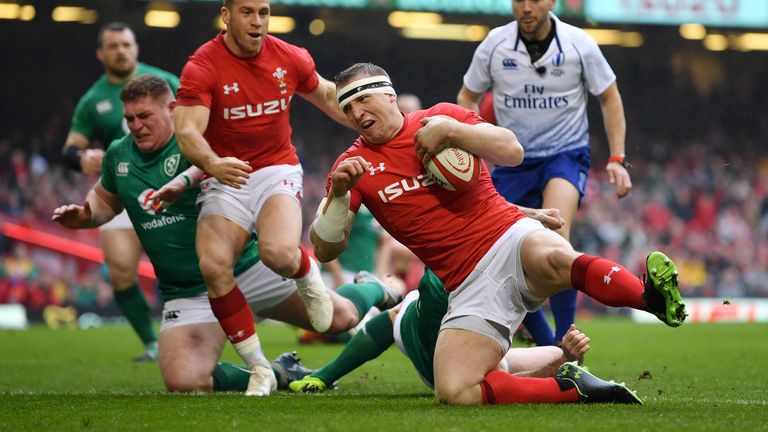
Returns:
(454, 169)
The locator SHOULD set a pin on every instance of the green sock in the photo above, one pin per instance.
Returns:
(363, 296)
(134, 307)
(365, 345)
(229, 377)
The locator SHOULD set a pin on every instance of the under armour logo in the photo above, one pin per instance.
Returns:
(373, 169)
(607, 278)
(236, 336)
(233, 88)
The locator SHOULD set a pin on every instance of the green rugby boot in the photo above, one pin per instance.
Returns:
(661, 294)
(591, 388)
(308, 384)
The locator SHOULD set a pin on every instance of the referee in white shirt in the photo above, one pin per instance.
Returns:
(539, 70)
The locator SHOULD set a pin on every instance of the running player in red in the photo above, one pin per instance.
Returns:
(496, 263)
(232, 121)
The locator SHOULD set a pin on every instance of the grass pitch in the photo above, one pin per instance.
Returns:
(697, 377)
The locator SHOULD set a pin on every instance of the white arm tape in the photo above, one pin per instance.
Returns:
(331, 222)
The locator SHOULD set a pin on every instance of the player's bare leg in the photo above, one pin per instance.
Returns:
(552, 265)
(462, 359)
(188, 355)
(562, 195)
(279, 228)
(122, 252)
(219, 243)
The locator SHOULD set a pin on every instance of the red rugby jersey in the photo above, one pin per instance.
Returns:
(249, 98)
(449, 231)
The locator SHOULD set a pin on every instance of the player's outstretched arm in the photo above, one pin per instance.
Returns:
(172, 191)
(324, 98)
(100, 207)
(550, 217)
(494, 144)
(543, 361)
(190, 123)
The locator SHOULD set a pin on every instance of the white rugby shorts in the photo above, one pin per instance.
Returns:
(120, 222)
(496, 290)
(261, 287)
(243, 205)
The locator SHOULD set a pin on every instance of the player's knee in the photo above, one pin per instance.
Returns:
(559, 261)
(214, 266)
(121, 275)
(280, 258)
(186, 383)
(454, 393)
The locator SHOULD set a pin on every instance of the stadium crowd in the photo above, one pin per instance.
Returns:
(704, 203)
(700, 191)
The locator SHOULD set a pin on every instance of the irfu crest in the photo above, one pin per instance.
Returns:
(170, 165)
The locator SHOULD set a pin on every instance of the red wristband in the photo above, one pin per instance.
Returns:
(616, 158)
(619, 159)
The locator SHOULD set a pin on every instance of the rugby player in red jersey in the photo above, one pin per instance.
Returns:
(496, 263)
(232, 121)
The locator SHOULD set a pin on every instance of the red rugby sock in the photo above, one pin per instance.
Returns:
(499, 387)
(234, 315)
(304, 264)
(607, 282)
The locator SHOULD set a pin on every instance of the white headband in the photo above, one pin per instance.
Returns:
(364, 86)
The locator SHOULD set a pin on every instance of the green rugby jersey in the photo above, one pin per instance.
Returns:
(168, 238)
(360, 253)
(420, 324)
(99, 113)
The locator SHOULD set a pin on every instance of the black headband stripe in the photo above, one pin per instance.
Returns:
(364, 87)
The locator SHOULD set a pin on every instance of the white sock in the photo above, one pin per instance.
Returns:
(250, 351)
(314, 271)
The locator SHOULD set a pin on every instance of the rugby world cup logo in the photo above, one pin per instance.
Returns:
(558, 61)
(279, 75)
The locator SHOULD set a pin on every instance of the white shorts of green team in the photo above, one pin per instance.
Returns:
(243, 205)
(496, 291)
(262, 287)
(120, 222)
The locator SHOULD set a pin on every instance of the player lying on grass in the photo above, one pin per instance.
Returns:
(191, 337)
(413, 325)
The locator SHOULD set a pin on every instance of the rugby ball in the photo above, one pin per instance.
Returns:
(454, 169)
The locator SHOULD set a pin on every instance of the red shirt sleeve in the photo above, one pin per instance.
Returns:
(305, 64)
(196, 83)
